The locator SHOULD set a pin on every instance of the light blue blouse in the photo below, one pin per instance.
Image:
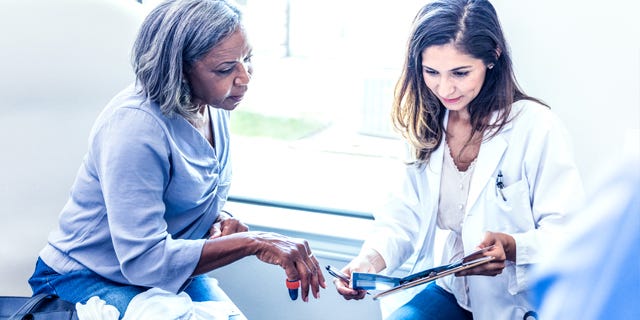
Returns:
(147, 192)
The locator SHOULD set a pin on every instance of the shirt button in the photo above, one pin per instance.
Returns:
(461, 186)
(460, 207)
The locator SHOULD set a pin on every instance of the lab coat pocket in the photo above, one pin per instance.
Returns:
(514, 209)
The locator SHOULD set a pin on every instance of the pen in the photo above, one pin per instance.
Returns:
(338, 274)
(500, 185)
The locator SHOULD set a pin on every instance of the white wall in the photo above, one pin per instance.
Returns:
(583, 59)
(60, 63)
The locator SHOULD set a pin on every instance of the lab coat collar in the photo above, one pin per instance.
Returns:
(489, 157)
(433, 168)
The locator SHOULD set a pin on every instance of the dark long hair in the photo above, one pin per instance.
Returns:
(472, 26)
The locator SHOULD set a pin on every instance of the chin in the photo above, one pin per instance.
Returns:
(455, 107)
(231, 107)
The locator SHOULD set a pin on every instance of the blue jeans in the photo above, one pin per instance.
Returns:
(431, 303)
(79, 286)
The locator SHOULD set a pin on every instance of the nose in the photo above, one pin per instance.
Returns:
(244, 76)
(445, 87)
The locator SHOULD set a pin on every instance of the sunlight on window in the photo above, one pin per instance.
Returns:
(315, 126)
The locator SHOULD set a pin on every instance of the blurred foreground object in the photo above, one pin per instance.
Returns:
(596, 274)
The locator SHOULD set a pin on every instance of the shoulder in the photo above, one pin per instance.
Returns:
(527, 110)
(129, 115)
(131, 100)
(132, 107)
(537, 130)
(532, 116)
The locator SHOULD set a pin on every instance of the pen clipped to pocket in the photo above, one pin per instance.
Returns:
(500, 185)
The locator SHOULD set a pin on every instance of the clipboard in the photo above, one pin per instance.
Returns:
(389, 285)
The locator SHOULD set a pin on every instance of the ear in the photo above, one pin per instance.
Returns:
(498, 52)
(185, 71)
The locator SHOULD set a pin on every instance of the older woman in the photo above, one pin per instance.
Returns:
(146, 208)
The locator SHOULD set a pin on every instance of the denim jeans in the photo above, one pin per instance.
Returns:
(431, 303)
(79, 286)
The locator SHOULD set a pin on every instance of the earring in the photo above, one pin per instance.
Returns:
(490, 66)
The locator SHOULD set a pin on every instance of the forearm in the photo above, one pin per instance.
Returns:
(374, 258)
(222, 251)
(292, 254)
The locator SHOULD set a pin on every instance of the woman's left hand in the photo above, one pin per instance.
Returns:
(226, 225)
(504, 249)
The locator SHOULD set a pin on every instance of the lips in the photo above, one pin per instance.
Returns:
(236, 99)
(451, 101)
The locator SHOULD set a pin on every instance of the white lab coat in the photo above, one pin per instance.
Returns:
(542, 186)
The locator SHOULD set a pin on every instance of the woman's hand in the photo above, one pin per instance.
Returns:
(369, 261)
(359, 264)
(295, 257)
(226, 225)
(504, 249)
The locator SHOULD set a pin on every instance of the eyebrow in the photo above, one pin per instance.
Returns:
(228, 63)
(454, 69)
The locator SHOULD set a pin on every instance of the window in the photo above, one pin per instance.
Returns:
(314, 129)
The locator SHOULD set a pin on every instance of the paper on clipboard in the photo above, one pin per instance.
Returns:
(370, 281)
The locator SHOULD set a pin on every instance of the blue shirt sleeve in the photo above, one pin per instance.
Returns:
(132, 161)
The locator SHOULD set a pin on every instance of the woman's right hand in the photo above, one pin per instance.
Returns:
(295, 257)
(359, 264)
